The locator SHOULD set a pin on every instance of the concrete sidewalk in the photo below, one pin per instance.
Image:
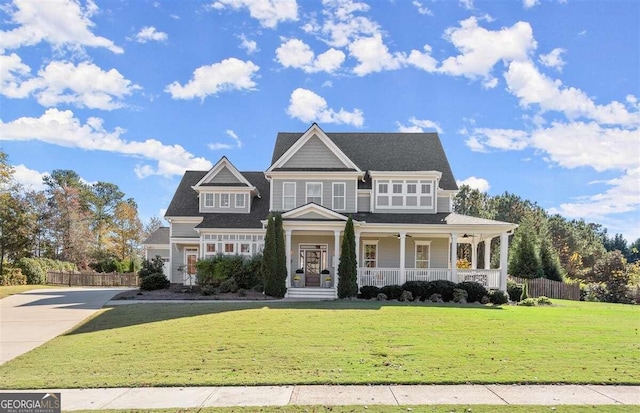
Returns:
(30, 319)
(196, 397)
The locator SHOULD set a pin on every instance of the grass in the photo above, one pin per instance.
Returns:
(475, 408)
(337, 343)
(7, 290)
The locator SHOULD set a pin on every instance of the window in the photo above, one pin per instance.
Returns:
(405, 193)
(208, 200)
(211, 248)
(314, 192)
(422, 254)
(240, 200)
(224, 200)
(370, 254)
(288, 195)
(229, 248)
(245, 248)
(338, 196)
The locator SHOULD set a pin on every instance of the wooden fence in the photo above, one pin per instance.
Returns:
(549, 288)
(93, 279)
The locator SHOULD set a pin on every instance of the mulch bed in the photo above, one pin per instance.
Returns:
(187, 294)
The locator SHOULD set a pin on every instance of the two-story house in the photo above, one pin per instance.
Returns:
(398, 188)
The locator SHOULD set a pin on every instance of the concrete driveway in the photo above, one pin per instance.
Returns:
(30, 319)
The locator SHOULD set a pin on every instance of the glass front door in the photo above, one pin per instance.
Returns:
(313, 259)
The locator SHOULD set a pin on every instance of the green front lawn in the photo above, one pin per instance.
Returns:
(338, 342)
(7, 290)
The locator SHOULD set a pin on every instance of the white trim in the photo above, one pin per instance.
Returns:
(415, 253)
(366, 242)
(318, 209)
(242, 196)
(410, 175)
(404, 193)
(311, 175)
(343, 196)
(183, 220)
(306, 194)
(294, 195)
(213, 200)
(313, 130)
(228, 200)
(218, 167)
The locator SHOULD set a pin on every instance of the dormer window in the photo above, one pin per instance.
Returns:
(224, 200)
(314, 192)
(209, 200)
(406, 193)
(240, 200)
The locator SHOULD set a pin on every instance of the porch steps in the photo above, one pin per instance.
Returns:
(315, 294)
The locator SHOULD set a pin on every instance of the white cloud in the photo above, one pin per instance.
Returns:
(467, 4)
(62, 23)
(29, 178)
(374, 56)
(341, 25)
(480, 184)
(307, 106)
(297, 54)
(61, 128)
(250, 46)
(530, 3)
(85, 85)
(532, 87)
(422, 60)
(218, 145)
(483, 139)
(419, 125)
(229, 74)
(481, 49)
(268, 12)
(149, 33)
(12, 75)
(422, 9)
(553, 59)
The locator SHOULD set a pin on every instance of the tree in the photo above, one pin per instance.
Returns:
(127, 229)
(549, 261)
(347, 269)
(524, 260)
(611, 270)
(269, 259)
(104, 198)
(281, 256)
(152, 226)
(15, 227)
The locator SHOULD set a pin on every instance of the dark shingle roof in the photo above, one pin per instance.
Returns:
(159, 236)
(185, 203)
(388, 218)
(385, 152)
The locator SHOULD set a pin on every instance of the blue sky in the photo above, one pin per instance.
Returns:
(538, 98)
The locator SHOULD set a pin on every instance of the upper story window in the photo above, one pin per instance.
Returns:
(288, 195)
(209, 200)
(314, 192)
(224, 200)
(240, 200)
(339, 196)
(404, 194)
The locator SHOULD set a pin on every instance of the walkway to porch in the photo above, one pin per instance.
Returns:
(380, 277)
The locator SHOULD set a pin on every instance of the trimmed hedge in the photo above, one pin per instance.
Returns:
(498, 297)
(368, 292)
(35, 269)
(12, 276)
(443, 287)
(393, 292)
(156, 281)
(475, 291)
(417, 288)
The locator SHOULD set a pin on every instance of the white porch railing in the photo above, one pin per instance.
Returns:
(379, 276)
(427, 274)
(488, 278)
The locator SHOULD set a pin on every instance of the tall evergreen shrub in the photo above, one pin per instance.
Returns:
(347, 269)
(281, 257)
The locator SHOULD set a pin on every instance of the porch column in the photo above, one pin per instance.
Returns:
(358, 249)
(487, 254)
(336, 254)
(454, 257)
(403, 238)
(504, 250)
(474, 254)
(287, 247)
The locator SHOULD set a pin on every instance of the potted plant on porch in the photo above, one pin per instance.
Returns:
(297, 279)
(326, 277)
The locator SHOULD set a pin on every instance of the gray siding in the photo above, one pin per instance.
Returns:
(152, 252)
(389, 252)
(232, 204)
(184, 230)
(443, 204)
(327, 193)
(177, 261)
(314, 154)
(364, 202)
(224, 176)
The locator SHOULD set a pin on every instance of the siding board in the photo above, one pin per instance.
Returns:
(314, 154)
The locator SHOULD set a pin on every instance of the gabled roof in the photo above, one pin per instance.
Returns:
(384, 152)
(185, 203)
(223, 164)
(317, 212)
(158, 237)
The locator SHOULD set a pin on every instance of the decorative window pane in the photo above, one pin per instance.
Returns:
(397, 188)
(224, 200)
(208, 200)
(411, 201)
(229, 248)
(396, 201)
(426, 201)
(314, 192)
(411, 188)
(426, 188)
(288, 195)
(383, 201)
(240, 200)
(211, 248)
(339, 196)
(422, 255)
(370, 255)
(383, 188)
(245, 248)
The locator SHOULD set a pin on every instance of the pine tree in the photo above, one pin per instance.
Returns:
(347, 269)
(280, 287)
(524, 258)
(269, 258)
(549, 262)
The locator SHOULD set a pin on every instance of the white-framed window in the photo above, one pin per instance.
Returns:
(240, 198)
(210, 249)
(224, 200)
(245, 248)
(423, 254)
(370, 254)
(404, 194)
(209, 200)
(314, 192)
(288, 195)
(339, 191)
(229, 247)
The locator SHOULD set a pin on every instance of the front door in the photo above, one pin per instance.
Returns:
(191, 257)
(312, 261)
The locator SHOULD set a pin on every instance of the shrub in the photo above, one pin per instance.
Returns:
(460, 295)
(484, 300)
(474, 290)
(393, 292)
(435, 298)
(418, 289)
(498, 297)
(406, 296)
(156, 281)
(514, 290)
(381, 297)
(153, 266)
(528, 302)
(12, 276)
(228, 286)
(442, 287)
(542, 300)
(251, 274)
(217, 269)
(242, 292)
(525, 292)
(368, 292)
(207, 290)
